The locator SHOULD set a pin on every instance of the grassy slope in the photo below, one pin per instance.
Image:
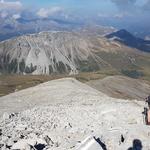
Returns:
(12, 83)
(132, 65)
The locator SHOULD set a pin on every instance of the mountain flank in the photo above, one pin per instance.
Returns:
(122, 87)
(62, 52)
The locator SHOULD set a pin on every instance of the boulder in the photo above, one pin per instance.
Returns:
(89, 143)
(22, 145)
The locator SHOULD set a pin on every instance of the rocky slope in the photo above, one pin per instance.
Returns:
(122, 87)
(67, 112)
(66, 52)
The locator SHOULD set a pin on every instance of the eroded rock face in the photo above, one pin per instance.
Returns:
(47, 53)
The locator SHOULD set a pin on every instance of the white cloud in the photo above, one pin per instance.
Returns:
(10, 9)
(102, 15)
(8, 5)
(121, 15)
(3, 14)
(116, 16)
(126, 5)
(44, 13)
(16, 16)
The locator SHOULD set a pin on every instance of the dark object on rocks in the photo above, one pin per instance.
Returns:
(37, 134)
(1, 145)
(8, 146)
(48, 140)
(0, 132)
(39, 146)
(101, 143)
(137, 145)
(70, 125)
(12, 115)
(15, 141)
(148, 101)
(122, 138)
(145, 115)
(22, 136)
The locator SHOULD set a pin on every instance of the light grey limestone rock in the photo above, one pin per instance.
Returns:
(66, 113)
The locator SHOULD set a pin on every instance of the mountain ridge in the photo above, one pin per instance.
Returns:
(66, 52)
(129, 39)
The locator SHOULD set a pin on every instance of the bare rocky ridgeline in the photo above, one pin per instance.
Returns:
(122, 87)
(60, 114)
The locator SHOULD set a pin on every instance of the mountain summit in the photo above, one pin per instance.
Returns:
(61, 113)
(128, 39)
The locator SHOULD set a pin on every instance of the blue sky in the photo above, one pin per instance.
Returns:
(121, 13)
(90, 6)
(86, 6)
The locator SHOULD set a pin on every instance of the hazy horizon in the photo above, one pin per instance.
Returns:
(132, 15)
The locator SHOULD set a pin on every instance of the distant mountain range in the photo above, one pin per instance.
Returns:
(10, 28)
(130, 40)
(68, 53)
(30, 24)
